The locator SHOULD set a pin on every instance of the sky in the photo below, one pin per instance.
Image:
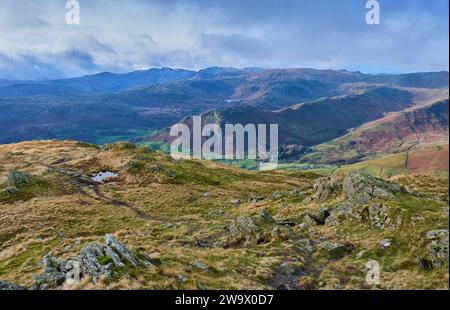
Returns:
(124, 35)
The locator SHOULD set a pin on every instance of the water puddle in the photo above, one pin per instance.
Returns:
(101, 176)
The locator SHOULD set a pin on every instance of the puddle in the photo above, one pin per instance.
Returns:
(232, 100)
(103, 175)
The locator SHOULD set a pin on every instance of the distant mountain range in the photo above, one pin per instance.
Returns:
(322, 113)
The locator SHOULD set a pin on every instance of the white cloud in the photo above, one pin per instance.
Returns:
(124, 35)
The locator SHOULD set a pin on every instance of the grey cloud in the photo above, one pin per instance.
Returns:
(125, 35)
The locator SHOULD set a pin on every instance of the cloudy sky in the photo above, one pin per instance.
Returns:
(126, 35)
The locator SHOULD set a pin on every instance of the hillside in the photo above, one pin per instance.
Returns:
(200, 225)
(314, 122)
(113, 107)
(406, 131)
(101, 82)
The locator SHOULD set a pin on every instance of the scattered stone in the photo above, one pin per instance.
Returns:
(307, 222)
(320, 216)
(360, 254)
(296, 191)
(385, 243)
(15, 180)
(235, 202)
(12, 189)
(290, 268)
(437, 234)
(181, 278)
(287, 275)
(255, 199)
(337, 250)
(416, 218)
(267, 216)
(278, 195)
(286, 222)
(281, 233)
(199, 265)
(305, 245)
(207, 194)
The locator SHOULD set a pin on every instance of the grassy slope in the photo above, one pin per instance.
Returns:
(173, 211)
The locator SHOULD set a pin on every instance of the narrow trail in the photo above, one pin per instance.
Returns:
(138, 212)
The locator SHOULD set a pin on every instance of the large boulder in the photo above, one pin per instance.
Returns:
(15, 180)
(320, 216)
(244, 231)
(52, 276)
(122, 251)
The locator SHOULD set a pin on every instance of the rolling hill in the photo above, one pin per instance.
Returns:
(405, 131)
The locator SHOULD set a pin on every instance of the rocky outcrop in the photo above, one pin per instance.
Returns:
(95, 260)
(15, 180)
(379, 216)
(360, 188)
(326, 188)
(342, 212)
(437, 250)
(321, 216)
(244, 231)
(6, 286)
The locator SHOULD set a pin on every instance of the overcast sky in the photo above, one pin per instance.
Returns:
(126, 35)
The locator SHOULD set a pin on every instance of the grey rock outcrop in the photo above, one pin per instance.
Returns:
(95, 260)
(360, 188)
(437, 250)
(6, 286)
(121, 250)
(342, 212)
(326, 188)
(52, 276)
(15, 180)
(320, 216)
(244, 231)
(378, 215)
